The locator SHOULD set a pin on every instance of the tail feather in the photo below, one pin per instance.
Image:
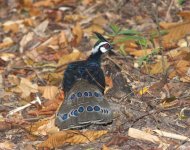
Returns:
(83, 105)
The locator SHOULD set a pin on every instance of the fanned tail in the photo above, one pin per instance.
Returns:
(83, 105)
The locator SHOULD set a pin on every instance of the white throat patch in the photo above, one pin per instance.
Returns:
(102, 49)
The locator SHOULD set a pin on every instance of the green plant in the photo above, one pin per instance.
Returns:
(181, 2)
(147, 57)
(130, 34)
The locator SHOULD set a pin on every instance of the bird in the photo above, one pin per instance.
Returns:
(83, 85)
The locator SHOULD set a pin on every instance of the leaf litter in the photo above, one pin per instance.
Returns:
(39, 38)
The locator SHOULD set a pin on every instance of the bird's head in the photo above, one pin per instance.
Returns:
(102, 45)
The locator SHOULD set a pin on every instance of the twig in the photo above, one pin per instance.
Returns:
(168, 11)
(37, 100)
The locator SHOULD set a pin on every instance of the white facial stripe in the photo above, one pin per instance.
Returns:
(103, 50)
(95, 49)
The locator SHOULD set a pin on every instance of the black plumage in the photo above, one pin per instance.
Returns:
(89, 69)
(84, 85)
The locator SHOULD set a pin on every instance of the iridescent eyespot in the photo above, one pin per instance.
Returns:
(96, 108)
(89, 108)
(72, 113)
(85, 94)
(73, 96)
(75, 113)
(79, 94)
(96, 94)
(81, 109)
(90, 94)
(65, 116)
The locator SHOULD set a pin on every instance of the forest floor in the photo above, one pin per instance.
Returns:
(147, 79)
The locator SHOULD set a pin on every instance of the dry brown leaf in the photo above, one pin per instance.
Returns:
(94, 28)
(157, 67)
(27, 3)
(78, 34)
(72, 137)
(50, 108)
(11, 26)
(43, 3)
(181, 69)
(7, 145)
(52, 3)
(74, 17)
(87, 2)
(49, 128)
(63, 41)
(44, 127)
(41, 28)
(167, 25)
(6, 43)
(25, 39)
(104, 147)
(49, 92)
(109, 83)
(176, 33)
(75, 55)
(170, 104)
(4, 126)
(185, 15)
(7, 56)
(139, 53)
(34, 127)
(26, 88)
(100, 20)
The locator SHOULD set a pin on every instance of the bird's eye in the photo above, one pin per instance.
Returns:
(107, 46)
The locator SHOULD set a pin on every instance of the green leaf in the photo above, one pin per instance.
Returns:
(181, 2)
(122, 49)
(143, 42)
(129, 32)
(156, 34)
(123, 39)
(115, 28)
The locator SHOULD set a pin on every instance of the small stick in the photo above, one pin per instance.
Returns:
(37, 100)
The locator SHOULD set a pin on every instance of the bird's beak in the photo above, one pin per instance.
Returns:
(111, 51)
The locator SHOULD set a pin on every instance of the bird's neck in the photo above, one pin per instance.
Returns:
(95, 57)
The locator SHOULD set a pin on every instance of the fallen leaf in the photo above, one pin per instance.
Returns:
(157, 67)
(7, 42)
(143, 90)
(94, 28)
(44, 127)
(7, 145)
(49, 92)
(65, 59)
(139, 53)
(26, 38)
(26, 88)
(78, 34)
(176, 33)
(109, 83)
(185, 15)
(41, 28)
(63, 41)
(33, 128)
(104, 147)
(72, 137)
(7, 56)
(11, 26)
